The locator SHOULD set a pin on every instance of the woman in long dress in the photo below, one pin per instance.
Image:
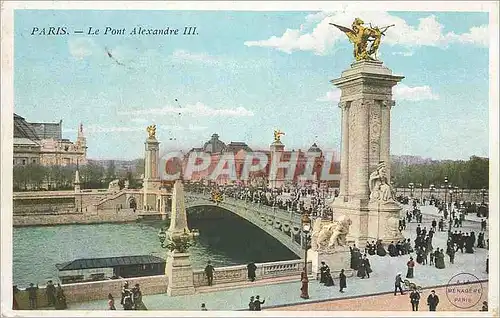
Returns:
(137, 294)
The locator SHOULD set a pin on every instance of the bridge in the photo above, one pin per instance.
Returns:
(285, 226)
(101, 206)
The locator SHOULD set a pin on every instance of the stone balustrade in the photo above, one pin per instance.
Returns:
(89, 291)
(239, 273)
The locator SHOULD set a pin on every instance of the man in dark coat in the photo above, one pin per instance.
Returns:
(50, 290)
(432, 301)
(414, 299)
(209, 272)
(392, 249)
(251, 306)
(367, 266)
(397, 284)
(419, 230)
(342, 281)
(257, 303)
(32, 293)
(251, 271)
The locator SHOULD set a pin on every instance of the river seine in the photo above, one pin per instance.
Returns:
(224, 241)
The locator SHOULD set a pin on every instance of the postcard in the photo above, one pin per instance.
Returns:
(323, 158)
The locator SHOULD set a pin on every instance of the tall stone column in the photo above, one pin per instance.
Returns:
(385, 142)
(151, 182)
(276, 179)
(344, 159)
(367, 91)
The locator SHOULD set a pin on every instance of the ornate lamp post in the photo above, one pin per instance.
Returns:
(432, 188)
(445, 194)
(421, 192)
(483, 193)
(306, 228)
(411, 186)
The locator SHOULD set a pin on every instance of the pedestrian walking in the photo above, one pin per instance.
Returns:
(397, 284)
(209, 272)
(414, 299)
(432, 301)
(257, 303)
(251, 271)
(251, 306)
(111, 302)
(32, 295)
(343, 281)
(411, 265)
(50, 291)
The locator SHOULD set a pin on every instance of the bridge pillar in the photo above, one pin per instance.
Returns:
(366, 101)
(178, 268)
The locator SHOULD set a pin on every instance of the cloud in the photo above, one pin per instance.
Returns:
(331, 96)
(99, 129)
(407, 53)
(400, 92)
(413, 94)
(193, 57)
(323, 36)
(198, 109)
(81, 48)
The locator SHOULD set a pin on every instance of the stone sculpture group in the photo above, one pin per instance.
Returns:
(328, 237)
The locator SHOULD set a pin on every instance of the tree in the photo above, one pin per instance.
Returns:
(111, 171)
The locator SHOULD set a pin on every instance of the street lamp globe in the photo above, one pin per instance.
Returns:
(306, 223)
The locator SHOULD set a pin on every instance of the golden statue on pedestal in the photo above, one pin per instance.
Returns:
(277, 135)
(151, 131)
(361, 36)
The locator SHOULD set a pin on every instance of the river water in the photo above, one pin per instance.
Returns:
(224, 241)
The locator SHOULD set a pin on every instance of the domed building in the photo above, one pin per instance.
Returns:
(314, 148)
(214, 145)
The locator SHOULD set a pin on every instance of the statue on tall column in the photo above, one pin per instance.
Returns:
(380, 189)
(361, 36)
(151, 131)
(277, 136)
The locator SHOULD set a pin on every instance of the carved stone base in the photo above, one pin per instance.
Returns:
(338, 260)
(379, 221)
(369, 221)
(180, 274)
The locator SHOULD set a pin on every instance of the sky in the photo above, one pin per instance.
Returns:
(245, 74)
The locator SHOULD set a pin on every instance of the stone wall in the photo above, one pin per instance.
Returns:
(75, 218)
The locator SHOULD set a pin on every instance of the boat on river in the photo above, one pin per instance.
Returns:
(98, 269)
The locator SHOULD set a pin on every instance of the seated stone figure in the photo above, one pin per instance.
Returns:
(380, 190)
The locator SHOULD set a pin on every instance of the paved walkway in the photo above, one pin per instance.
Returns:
(387, 302)
(381, 280)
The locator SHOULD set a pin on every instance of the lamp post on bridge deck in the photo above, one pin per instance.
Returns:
(306, 227)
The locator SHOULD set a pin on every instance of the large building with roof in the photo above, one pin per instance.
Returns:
(42, 143)
(217, 150)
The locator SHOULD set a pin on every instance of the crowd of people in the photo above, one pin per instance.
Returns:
(54, 295)
(298, 198)
(131, 298)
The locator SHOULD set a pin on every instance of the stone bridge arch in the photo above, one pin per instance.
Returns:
(282, 225)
